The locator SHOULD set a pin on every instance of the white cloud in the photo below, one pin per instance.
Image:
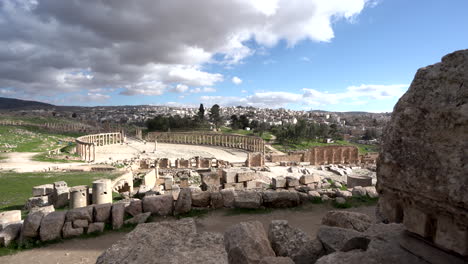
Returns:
(353, 95)
(58, 46)
(180, 88)
(305, 59)
(203, 90)
(236, 80)
(244, 91)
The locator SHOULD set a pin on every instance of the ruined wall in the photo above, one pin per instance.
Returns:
(255, 160)
(293, 157)
(322, 155)
(422, 168)
(248, 143)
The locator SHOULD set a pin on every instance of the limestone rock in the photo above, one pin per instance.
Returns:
(247, 243)
(340, 200)
(80, 223)
(422, 163)
(45, 209)
(371, 191)
(96, 227)
(10, 233)
(9, 217)
(309, 178)
(159, 205)
(292, 182)
(291, 242)
(102, 212)
(42, 190)
(167, 242)
(228, 197)
(344, 219)
(184, 202)
(278, 182)
(118, 212)
(358, 191)
(79, 213)
(68, 230)
(51, 226)
(246, 176)
(334, 238)
(314, 194)
(201, 199)
(138, 219)
(276, 260)
(39, 201)
(31, 224)
(134, 208)
(281, 199)
(248, 199)
(216, 200)
(344, 194)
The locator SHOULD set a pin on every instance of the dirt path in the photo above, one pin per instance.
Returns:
(87, 250)
(22, 162)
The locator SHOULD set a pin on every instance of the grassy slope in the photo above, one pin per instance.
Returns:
(304, 145)
(265, 136)
(32, 139)
(16, 188)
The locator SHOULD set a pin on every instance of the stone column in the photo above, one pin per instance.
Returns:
(78, 196)
(102, 191)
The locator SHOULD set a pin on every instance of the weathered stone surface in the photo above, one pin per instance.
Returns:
(340, 200)
(9, 217)
(96, 227)
(118, 212)
(257, 184)
(344, 219)
(80, 223)
(228, 197)
(79, 213)
(102, 212)
(138, 219)
(216, 200)
(42, 190)
(167, 242)
(281, 199)
(344, 194)
(134, 208)
(39, 201)
(61, 196)
(201, 199)
(245, 176)
(422, 163)
(159, 205)
(211, 179)
(334, 238)
(292, 182)
(31, 224)
(278, 182)
(247, 199)
(314, 194)
(276, 260)
(309, 178)
(10, 233)
(371, 191)
(51, 226)
(45, 209)
(229, 176)
(358, 191)
(291, 242)
(68, 230)
(247, 243)
(184, 202)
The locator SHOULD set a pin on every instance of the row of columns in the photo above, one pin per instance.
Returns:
(248, 143)
(86, 145)
(335, 155)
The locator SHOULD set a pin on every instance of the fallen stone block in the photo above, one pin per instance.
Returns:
(79, 213)
(96, 227)
(51, 226)
(9, 217)
(31, 224)
(350, 220)
(309, 178)
(118, 212)
(247, 242)
(228, 197)
(61, 197)
(292, 182)
(10, 233)
(201, 199)
(80, 223)
(358, 191)
(280, 199)
(42, 190)
(278, 182)
(138, 219)
(229, 176)
(68, 231)
(183, 203)
(245, 176)
(135, 207)
(236, 186)
(334, 238)
(292, 242)
(247, 199)
(39, 201)
(371, 191)
(159, 205)
(216, 200)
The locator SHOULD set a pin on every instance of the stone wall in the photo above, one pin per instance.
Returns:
(193, 163)
(422, 170)
(248, 143)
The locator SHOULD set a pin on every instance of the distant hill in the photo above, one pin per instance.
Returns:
(11, 103)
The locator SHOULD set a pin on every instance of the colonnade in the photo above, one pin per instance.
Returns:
(86, 145)
(334, 155)
(249, 143)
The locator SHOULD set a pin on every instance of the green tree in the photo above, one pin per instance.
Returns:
(215, 115)
(201, 112)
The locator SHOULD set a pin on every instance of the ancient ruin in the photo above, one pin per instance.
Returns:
(422, 172)
(86, 145)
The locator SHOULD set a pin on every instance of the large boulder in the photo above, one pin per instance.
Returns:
(79, 213)
(421, 170)
(31, 224)
(167, 242)
(344, 219)
(216, 200)
(201, 199)
(138, 219)
(158, 205)
(51, 226)
(291, 242)
(118, 212)
(335, 238)
(228, 197)
(184, 202)
(134, 208)
(102, 212)
(69, 231)
(10, 233)
(248, 199)
(280, 199)
(247, 242)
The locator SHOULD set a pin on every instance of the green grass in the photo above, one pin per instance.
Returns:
(36, 119)
(307, 144)
(32, 139)
(16, 188)
(266, 136)
(44, 157)
(356, 202)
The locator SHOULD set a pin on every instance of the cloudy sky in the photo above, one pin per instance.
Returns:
(338, 55)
